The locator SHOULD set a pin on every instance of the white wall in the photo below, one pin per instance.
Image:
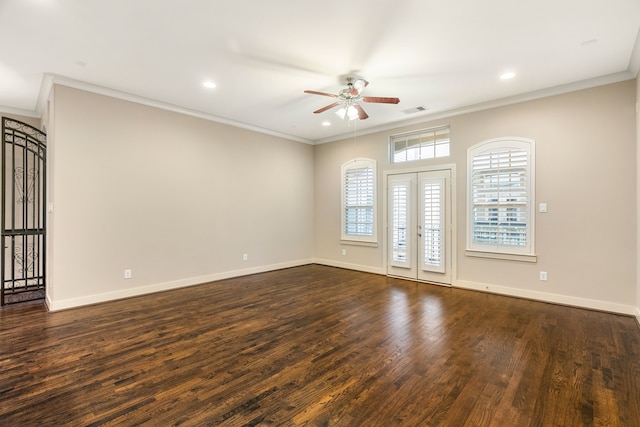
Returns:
(586, 173)
(174, 198)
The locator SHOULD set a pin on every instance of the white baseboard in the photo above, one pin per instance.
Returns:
(357, 267)
(55, 305)
(508, 291)
(550, 297)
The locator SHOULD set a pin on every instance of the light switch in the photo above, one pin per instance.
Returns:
(543, 207)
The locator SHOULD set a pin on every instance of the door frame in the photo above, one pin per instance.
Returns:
(454, 214)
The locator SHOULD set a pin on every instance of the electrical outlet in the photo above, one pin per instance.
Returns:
(128, 274)
(543, 276)
(245, 257)
(344, 252)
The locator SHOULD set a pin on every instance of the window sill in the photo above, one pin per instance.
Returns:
(496, 255)
(358, 243)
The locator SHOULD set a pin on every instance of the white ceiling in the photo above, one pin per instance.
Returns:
(445, 55)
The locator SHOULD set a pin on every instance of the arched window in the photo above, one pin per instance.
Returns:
(501, 196)
(359, 200)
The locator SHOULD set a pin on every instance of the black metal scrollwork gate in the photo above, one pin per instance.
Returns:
(23, 212)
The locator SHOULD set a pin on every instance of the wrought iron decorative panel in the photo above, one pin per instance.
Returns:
(23, 212)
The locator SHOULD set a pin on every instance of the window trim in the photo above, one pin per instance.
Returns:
(358, 163)
(498, 251)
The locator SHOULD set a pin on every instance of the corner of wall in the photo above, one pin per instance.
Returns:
(349, 266)
(634, 61)
(638, 194)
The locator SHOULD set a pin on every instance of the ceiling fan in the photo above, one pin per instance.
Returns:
(348, 98)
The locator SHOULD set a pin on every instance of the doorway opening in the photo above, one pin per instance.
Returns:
(23, 256)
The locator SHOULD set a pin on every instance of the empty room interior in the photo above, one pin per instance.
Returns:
(371, 213)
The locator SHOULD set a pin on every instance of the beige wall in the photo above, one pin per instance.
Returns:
(177, 199)
(586, 173)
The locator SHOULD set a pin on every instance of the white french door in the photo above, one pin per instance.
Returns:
(419, 226)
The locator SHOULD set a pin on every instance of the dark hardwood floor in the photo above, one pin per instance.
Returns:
(319, 346)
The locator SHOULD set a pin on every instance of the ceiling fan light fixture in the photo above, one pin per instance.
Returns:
(349, 112)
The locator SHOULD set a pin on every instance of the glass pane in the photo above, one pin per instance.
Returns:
(427, 151)
(442, 150)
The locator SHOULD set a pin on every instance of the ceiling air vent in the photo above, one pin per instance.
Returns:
(415, 110)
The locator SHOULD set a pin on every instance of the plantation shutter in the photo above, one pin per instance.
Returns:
(433, 225)
(358, 219)
(400, 223)
(500, 197)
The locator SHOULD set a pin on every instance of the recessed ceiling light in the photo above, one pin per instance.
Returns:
(209, 84)
(508, 75)
(326, 123)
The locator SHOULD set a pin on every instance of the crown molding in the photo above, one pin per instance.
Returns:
(49, 80)
(19, 111)
(634, 60)
(529, 96)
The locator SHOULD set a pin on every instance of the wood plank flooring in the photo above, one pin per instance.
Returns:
(319, 346)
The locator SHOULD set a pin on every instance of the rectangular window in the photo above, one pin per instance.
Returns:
(501, 196)
(419, 145)
(358, 200)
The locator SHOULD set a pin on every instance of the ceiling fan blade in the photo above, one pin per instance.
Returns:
(361, 113)
(313, 92)
(328, 107)
(381, 99)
